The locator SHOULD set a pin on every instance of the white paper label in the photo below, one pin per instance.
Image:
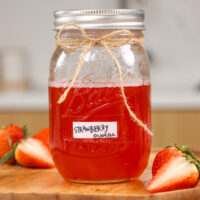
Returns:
(94, 129)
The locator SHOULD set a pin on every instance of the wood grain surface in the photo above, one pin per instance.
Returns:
(18, 183)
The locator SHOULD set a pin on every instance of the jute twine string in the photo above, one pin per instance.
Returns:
(107, 41)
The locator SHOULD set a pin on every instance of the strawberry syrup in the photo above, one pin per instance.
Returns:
(100, 159)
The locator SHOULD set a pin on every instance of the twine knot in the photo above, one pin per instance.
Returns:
(113, 39)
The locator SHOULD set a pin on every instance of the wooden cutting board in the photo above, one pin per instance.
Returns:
(18, 183)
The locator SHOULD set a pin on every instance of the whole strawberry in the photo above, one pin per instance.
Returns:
(9, 137)
(32, 152)
(43, 136)
(174, 168)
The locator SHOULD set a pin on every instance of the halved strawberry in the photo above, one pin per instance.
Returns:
(43, 136)
(179, 171)
(33, 153)
(163, 157)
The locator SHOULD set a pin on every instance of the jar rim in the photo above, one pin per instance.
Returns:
(101, 18)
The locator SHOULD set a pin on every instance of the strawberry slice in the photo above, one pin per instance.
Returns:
(179, 170)
(33, 153)
(43, 136)
(164, 156)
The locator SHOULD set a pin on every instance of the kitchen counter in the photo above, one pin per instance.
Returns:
(24, 100)
(38, 100)
(175, 99)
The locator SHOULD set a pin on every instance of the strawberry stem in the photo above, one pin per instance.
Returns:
(10, 141)
(25, 131)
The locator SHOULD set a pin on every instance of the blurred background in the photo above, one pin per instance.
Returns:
(171, 40)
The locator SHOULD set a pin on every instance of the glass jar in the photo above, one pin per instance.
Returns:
(93, 137)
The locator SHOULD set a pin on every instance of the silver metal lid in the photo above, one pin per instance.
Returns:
(101, 18)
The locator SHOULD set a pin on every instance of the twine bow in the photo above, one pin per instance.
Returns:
(106, 41)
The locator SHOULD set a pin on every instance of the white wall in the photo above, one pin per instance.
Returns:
(29, 24)
(172, 36)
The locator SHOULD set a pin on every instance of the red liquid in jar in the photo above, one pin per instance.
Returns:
(100, 159)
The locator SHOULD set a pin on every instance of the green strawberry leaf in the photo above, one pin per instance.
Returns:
(2, 126)
(198, 166)
(187, 151)
(168, 147)
(189, 155)
(10, 141)
(25, 131)
(8, 156)
(14, 146)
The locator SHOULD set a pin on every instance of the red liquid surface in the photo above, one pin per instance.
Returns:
(100, 159)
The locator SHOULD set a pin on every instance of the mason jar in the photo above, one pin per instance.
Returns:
(93, 137)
